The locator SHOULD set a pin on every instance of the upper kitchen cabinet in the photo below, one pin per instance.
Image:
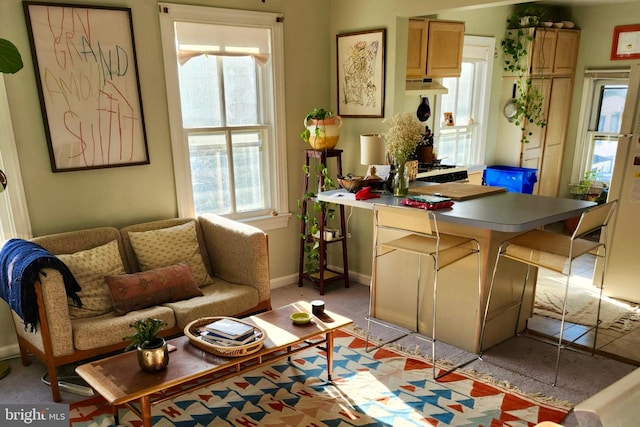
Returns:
(434, 48)
(555, 51)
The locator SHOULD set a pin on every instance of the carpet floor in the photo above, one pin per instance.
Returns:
(380, 388)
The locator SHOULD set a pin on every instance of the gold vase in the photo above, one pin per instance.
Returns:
(155, 358)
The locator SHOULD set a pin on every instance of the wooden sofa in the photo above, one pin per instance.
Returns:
(235, 256)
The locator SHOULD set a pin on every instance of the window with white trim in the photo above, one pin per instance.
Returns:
(224, 71)
(464, 141)
(604, 94)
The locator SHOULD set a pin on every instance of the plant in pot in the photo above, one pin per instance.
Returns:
(321, 129)
(310, 218)
(582, 189)
(153, 354)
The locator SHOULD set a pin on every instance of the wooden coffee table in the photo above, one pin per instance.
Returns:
(121, 382)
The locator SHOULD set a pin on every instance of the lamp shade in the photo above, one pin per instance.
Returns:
(372, 151)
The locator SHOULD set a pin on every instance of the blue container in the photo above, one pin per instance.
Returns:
(516, 180)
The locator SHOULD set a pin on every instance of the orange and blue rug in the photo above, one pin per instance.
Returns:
(381, 388)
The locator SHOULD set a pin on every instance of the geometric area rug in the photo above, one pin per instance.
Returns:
(384, 387)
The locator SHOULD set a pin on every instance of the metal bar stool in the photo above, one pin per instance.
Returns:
(420, 237)
(556, 252)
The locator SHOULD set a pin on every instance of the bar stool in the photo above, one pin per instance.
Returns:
(556, 252)
(421, 237)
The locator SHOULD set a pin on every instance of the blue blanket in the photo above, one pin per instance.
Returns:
(20, 264)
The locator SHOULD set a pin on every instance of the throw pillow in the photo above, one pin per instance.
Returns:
(169, 246)
(89, 268)
(140, 290)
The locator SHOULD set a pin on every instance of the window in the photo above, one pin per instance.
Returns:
(14, 217)
(604, 95)
(224, 71)
(464, 142)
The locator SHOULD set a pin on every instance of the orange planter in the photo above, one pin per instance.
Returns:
(324, 134)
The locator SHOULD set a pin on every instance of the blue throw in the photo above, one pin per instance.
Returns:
(20, 264)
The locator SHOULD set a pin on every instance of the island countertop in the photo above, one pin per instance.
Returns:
(507, 212)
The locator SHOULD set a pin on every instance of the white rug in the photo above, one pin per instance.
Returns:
(582, 304)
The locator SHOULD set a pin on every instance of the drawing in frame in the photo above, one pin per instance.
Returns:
(626, 42)
(85, 65)
(361, 69)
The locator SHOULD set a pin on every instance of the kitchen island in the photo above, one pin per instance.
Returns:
(490, 220)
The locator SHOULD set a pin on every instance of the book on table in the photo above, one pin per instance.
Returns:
(214, 338)
(229, 329)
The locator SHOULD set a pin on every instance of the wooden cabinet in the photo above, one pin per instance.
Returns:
(434, 48)
(555, 51)
(552, 69)
(545, 149)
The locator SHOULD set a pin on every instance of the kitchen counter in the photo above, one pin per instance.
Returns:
(490, 220)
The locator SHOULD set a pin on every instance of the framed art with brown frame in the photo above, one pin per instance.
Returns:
(361, 69)
(626, 42)
(85, 64)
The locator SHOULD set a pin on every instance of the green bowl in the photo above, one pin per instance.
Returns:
(300, 318)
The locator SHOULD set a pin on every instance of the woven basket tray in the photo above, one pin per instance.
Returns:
(191, 332)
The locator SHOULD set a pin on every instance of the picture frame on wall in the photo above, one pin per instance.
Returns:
(85, 65)
(361, 73)
(626, 42)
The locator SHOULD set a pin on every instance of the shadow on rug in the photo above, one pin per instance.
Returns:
(381, 388)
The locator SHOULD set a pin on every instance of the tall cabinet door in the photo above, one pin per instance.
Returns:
(559, 108)
(533, 151)
(417, 49)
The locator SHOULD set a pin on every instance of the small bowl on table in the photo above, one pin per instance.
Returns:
(300, 318)
(356, 183)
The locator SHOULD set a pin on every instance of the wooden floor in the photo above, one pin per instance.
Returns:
(623, 346)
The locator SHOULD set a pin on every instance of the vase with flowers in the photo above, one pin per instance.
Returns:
(402, 138)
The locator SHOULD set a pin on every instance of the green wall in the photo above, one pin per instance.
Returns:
(125, 195)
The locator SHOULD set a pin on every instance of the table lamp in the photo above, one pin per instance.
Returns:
(372, 152)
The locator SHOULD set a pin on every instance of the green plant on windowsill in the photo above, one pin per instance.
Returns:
(581, 189)
(311, 219)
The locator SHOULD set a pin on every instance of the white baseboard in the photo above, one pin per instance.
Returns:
(293, 278)
(9, 351)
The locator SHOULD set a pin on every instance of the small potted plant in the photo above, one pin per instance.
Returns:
(321, 129)
(153, 354)
(582, 188)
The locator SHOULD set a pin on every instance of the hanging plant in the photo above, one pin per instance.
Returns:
(311, 218)
(528, 99)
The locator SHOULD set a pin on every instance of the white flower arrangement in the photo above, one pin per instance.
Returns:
(405, 132)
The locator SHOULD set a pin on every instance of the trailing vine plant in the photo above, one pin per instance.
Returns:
(529, 99)
(311, 218)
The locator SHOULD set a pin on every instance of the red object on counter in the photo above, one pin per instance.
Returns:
(365, 193)
(427, 205)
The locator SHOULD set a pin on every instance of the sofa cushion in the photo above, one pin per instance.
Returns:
(223, 299)
(110, 329)
(89, 267)
(169, 246)
(140, 290)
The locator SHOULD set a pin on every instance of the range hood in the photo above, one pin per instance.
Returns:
(425, 87)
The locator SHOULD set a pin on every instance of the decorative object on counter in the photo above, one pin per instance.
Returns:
(322, 129)
(405, 131)
(353, 184)
(371, 153)
(360, 62)
(153, 354)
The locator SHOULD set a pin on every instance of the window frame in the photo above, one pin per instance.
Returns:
(593, 79)
(481, 93)
(276, 156)
(14, 215)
